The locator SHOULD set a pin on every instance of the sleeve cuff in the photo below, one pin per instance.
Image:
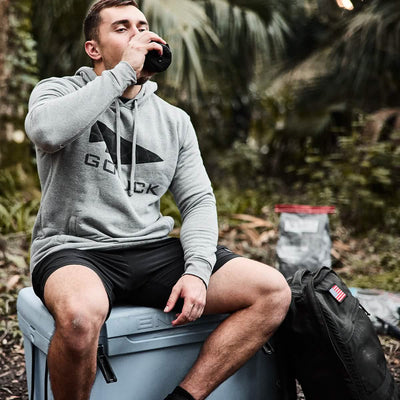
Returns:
(124, 74)
(201, 269)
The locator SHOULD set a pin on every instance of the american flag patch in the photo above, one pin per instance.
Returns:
(337, 293)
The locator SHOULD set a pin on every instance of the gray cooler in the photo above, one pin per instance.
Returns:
(141, 356)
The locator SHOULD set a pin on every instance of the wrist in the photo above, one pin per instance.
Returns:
(196, 276)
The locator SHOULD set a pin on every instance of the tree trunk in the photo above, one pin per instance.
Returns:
(4, 31)
(17, 77)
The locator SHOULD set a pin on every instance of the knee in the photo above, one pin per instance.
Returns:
(78, 327)
(283, 294)
(274, 295)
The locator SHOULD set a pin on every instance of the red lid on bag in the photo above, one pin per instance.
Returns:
(304, 209)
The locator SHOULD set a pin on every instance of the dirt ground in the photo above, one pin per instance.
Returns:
(13, 377)
(13, 383)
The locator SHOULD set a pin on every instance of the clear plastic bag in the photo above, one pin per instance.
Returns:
(304, 238)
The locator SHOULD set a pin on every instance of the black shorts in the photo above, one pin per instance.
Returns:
(142, 275)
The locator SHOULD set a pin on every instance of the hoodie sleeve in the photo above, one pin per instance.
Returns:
(194, 196)
(59, 112)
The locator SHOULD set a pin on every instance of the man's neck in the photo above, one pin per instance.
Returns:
(132, 91)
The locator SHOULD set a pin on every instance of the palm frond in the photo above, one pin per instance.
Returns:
(366, 59)
(57, 28)
(357, 64)
(186, 27)
(263, 26)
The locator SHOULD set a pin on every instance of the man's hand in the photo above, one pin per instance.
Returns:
(193, 290)
(138, 47)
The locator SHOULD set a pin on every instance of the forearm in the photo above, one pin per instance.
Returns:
(57, 118)
(194, 196)
(199, 236)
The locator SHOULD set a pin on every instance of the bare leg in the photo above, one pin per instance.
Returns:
(79, 304)
(258, 297)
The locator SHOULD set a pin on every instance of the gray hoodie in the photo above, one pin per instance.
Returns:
(104, 162)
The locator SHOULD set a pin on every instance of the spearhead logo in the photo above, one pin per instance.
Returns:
(102, 133)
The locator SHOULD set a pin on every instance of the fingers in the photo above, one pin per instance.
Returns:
(173, 298)
(139, 45)
(150, 36)
(190, 313)
(148, 41)
(193, 291)
(147, 38)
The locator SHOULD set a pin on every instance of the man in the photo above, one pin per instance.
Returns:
(108, 148)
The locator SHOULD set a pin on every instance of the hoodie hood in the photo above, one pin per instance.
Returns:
(88, 74)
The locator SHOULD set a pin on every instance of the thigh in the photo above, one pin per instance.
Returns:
(76, 288)
(239, 283)
(72, 280)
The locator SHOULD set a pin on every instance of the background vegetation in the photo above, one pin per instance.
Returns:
(293, 102)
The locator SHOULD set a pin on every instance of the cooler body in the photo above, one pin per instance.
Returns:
(147, 356)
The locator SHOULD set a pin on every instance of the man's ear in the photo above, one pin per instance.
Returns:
(92, 50)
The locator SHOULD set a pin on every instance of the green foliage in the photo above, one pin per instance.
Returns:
(13, 277)
(232, 201)
(229, 202)
(19, 201)
(360, 177)
(168, 207)
(57, 29)
(375, 262)
(17, 215)
(385, 280)
(365, 60)
(358, 174)
(20, 60)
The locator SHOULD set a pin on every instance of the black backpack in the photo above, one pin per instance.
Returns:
(328, 343)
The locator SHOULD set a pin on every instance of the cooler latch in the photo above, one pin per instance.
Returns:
(105, 366)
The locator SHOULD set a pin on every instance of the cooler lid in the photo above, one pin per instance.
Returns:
(128, 320)
(138, 329)
(34, 320)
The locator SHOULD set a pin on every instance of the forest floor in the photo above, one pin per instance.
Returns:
(354, 259)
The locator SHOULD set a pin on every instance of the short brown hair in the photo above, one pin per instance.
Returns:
(93, 19)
